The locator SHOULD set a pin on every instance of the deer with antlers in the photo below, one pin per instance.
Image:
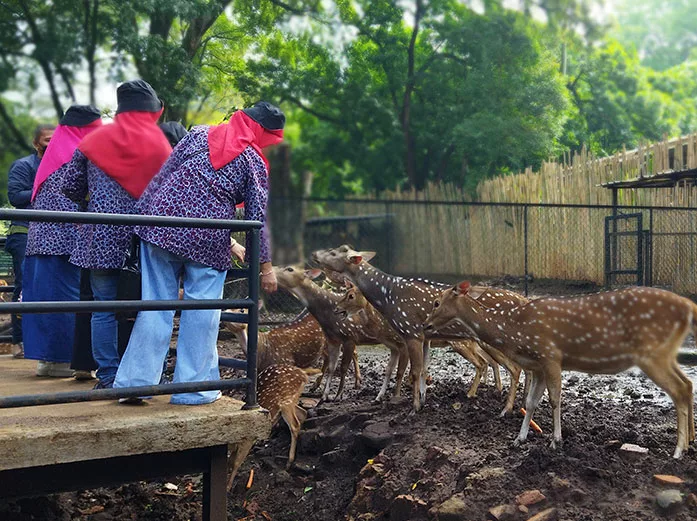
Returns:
(604, 333)
(354, 304)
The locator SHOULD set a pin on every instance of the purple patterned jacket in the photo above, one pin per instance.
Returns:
(52, 238)
(99, 246)
(188, 186)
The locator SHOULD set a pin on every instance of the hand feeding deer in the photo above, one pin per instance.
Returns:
(354, 304)
(342, 335)
(603, 333)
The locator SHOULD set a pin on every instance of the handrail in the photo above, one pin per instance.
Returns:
(251, 318)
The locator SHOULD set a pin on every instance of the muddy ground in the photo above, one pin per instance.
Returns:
(365, 461)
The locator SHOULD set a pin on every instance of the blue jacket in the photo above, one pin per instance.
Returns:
(20, 182)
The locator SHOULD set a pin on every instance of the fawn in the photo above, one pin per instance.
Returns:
(354, 304)
(603, 333)
(300, 342)
(279, 389)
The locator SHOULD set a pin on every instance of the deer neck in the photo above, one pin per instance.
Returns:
(483, 322)
(318, 301)
(375, 284)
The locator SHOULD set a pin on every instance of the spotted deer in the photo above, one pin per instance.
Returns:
(604, 333)
(342, 335)
(405, 303)
(354, 304)
(279, 388)
(498, 299)
(301, 342)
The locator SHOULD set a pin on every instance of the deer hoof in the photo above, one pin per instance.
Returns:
(556, 444)
(506, 411)
(518, 442)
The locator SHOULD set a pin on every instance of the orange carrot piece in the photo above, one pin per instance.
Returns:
(251, 478)
(534, 425)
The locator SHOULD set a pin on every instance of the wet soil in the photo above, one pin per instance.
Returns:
(365, 461)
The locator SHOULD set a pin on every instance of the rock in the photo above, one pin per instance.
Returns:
(502, 513)
(530, 497)
(572, 381)
(327, 441)
(339, 419)
(560, 484)
(377, 435)
(632, 452)
(436, 453)
(546, 515)
(453, 509)
(667, 479)
(485, 474)
(692, 500)
(523, 509)
(308, 403)
(307, 441)
(282, 477)
(360, 419)
(669, 500)
(406, 506)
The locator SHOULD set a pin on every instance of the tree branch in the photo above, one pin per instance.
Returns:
(323, 117)
(14, 131)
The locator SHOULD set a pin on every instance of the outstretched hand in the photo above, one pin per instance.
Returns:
(238, 251)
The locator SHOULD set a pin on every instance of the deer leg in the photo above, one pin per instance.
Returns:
(691, 404)
(358, 381)
(667, 379)
(526, 387)
(469, 351)
(553, 381)
(514, 371)
(294, 417)
(325, 364)
(424, 370)
(401, 369)
(333, 361)
(347, 355)
(394, 357)
(537, 389)
(415, 347)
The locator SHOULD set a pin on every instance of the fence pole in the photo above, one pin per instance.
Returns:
(525, 247)
(388, 229)
(251, 401)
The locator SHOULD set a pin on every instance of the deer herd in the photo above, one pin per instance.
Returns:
(603, 333)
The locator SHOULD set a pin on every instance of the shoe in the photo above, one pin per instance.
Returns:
(43, 368)
(133, 400)
(105, 383)
(18, 350)
(81, 375)
(60, 370)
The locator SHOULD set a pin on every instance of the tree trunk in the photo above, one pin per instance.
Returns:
(17, 136)
(405, 119)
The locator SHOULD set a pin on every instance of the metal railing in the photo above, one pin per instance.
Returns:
(250, 304)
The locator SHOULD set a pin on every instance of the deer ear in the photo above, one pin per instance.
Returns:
(348, 284)
(462, 288)
(355, 259)
(367, 255)
(313, 273)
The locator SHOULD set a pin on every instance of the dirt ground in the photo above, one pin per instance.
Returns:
(365, 461)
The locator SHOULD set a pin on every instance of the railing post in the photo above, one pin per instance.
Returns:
(251, 401)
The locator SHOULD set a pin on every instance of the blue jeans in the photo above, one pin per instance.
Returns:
(16, 245)
(197, 352)
(105, 340)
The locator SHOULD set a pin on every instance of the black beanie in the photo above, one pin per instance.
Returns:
(80, 116)
(137, 95)
(267, 115)
(174, 131)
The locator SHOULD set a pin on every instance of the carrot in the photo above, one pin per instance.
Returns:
(251, 478)
(534, 425)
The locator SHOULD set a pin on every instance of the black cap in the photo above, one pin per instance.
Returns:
(80, 116)
(174, 131)
(267, 115)
(137, 95)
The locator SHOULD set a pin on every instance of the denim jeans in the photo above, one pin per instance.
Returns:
(104, 327)
(197, 353)
(16, 245)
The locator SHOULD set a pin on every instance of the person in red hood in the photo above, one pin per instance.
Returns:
(108, 173)
(211, 170)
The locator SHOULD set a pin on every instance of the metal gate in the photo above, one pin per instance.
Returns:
(627, 251)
